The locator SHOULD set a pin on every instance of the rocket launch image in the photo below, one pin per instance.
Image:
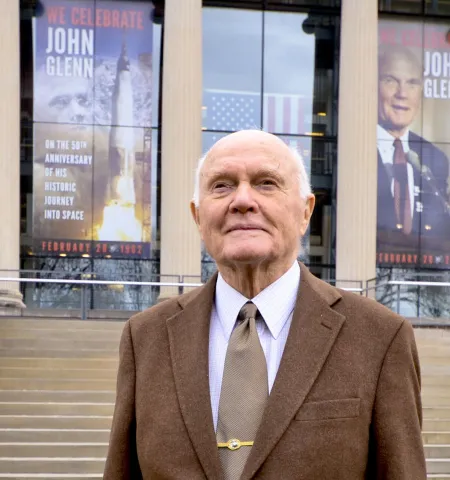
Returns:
(119, 213)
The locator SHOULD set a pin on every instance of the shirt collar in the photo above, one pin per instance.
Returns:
(385, 139)
(275, 303)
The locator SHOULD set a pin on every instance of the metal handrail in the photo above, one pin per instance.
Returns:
(418, 283)
(85, 283)
(181, 285)
(122, 282)
(99, 282)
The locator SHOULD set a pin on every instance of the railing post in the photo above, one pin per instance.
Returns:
(83, 302)
(180, 287)
(398, 298)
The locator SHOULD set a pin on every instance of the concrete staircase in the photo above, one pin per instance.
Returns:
(57, 392)
(434, 351)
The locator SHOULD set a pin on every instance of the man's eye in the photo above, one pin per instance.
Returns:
(60, 101)
(267, 183)
(220, 187)
(389, 80)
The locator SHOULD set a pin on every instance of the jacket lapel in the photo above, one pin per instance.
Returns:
(312, 334)
(189, 351)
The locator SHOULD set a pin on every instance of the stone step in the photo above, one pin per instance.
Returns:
(51, 476)
(432, 370)
(56, 421)
(57, 373)
(437, 451)
(100, 396)
(111, 362)
(435, 380)
(435, 391)
(52, 408)
(438, 465)
(48, 344)
(53, 449)
(439, 336)
(63, 435)
(73, 334)
(61, 324)
(436, 412)
(56, 384)
(61, 465)
(81, 353)
(433, 340)
(432, 364)
(436, 397)
(433, 348)
(435, 437)
(436, 425)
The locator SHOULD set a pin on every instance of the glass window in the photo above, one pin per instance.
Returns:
(401, 6)
(299, 73)
(310, 3)
(232, 58)
(437, 7)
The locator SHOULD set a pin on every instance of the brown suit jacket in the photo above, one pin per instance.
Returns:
(345, 403)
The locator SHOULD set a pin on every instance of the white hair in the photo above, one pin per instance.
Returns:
(303, 179)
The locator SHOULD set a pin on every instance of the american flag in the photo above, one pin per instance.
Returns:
(234, 110)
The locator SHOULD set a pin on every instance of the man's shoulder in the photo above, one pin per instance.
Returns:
(156, 316)
(422, 145)
(361, 313)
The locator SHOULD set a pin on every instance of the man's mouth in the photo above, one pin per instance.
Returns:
(400, 108)
(249, 228)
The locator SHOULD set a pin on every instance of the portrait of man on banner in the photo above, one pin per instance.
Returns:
(413, 203)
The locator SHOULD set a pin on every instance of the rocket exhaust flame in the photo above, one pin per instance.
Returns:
(120, 224)
(119, 215)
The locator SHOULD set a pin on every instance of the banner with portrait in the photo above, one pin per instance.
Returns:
(413, 145)
(92, 129)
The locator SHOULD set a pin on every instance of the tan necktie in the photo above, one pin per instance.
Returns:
(243, 395)
(401, 188)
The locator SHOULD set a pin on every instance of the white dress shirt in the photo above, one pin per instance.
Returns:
(275, 303)
(385, 144)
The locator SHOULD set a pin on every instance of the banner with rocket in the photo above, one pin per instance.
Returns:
(413, 144)
(92, 129)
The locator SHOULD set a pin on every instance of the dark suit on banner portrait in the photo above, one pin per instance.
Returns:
(430, 220)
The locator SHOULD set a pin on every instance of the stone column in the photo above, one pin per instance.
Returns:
(181, 137)
(357, 147)
(10, 297)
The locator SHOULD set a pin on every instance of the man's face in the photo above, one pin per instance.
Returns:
(250, 210)
(400, 89)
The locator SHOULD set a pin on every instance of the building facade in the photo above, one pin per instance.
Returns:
(109, 104)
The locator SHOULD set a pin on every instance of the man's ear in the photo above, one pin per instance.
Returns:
(309, 208)
(194, 213)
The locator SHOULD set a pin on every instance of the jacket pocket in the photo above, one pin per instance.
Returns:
(329, 409)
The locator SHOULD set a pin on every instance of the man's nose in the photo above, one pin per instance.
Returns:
(402, 90)
(244, 199)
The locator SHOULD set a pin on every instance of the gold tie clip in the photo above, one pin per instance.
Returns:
(234, 444)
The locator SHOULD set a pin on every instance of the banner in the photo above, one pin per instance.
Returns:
(92, 129)
(413, 145)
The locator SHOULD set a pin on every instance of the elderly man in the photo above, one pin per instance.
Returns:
(265, 372)
(409, 203)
